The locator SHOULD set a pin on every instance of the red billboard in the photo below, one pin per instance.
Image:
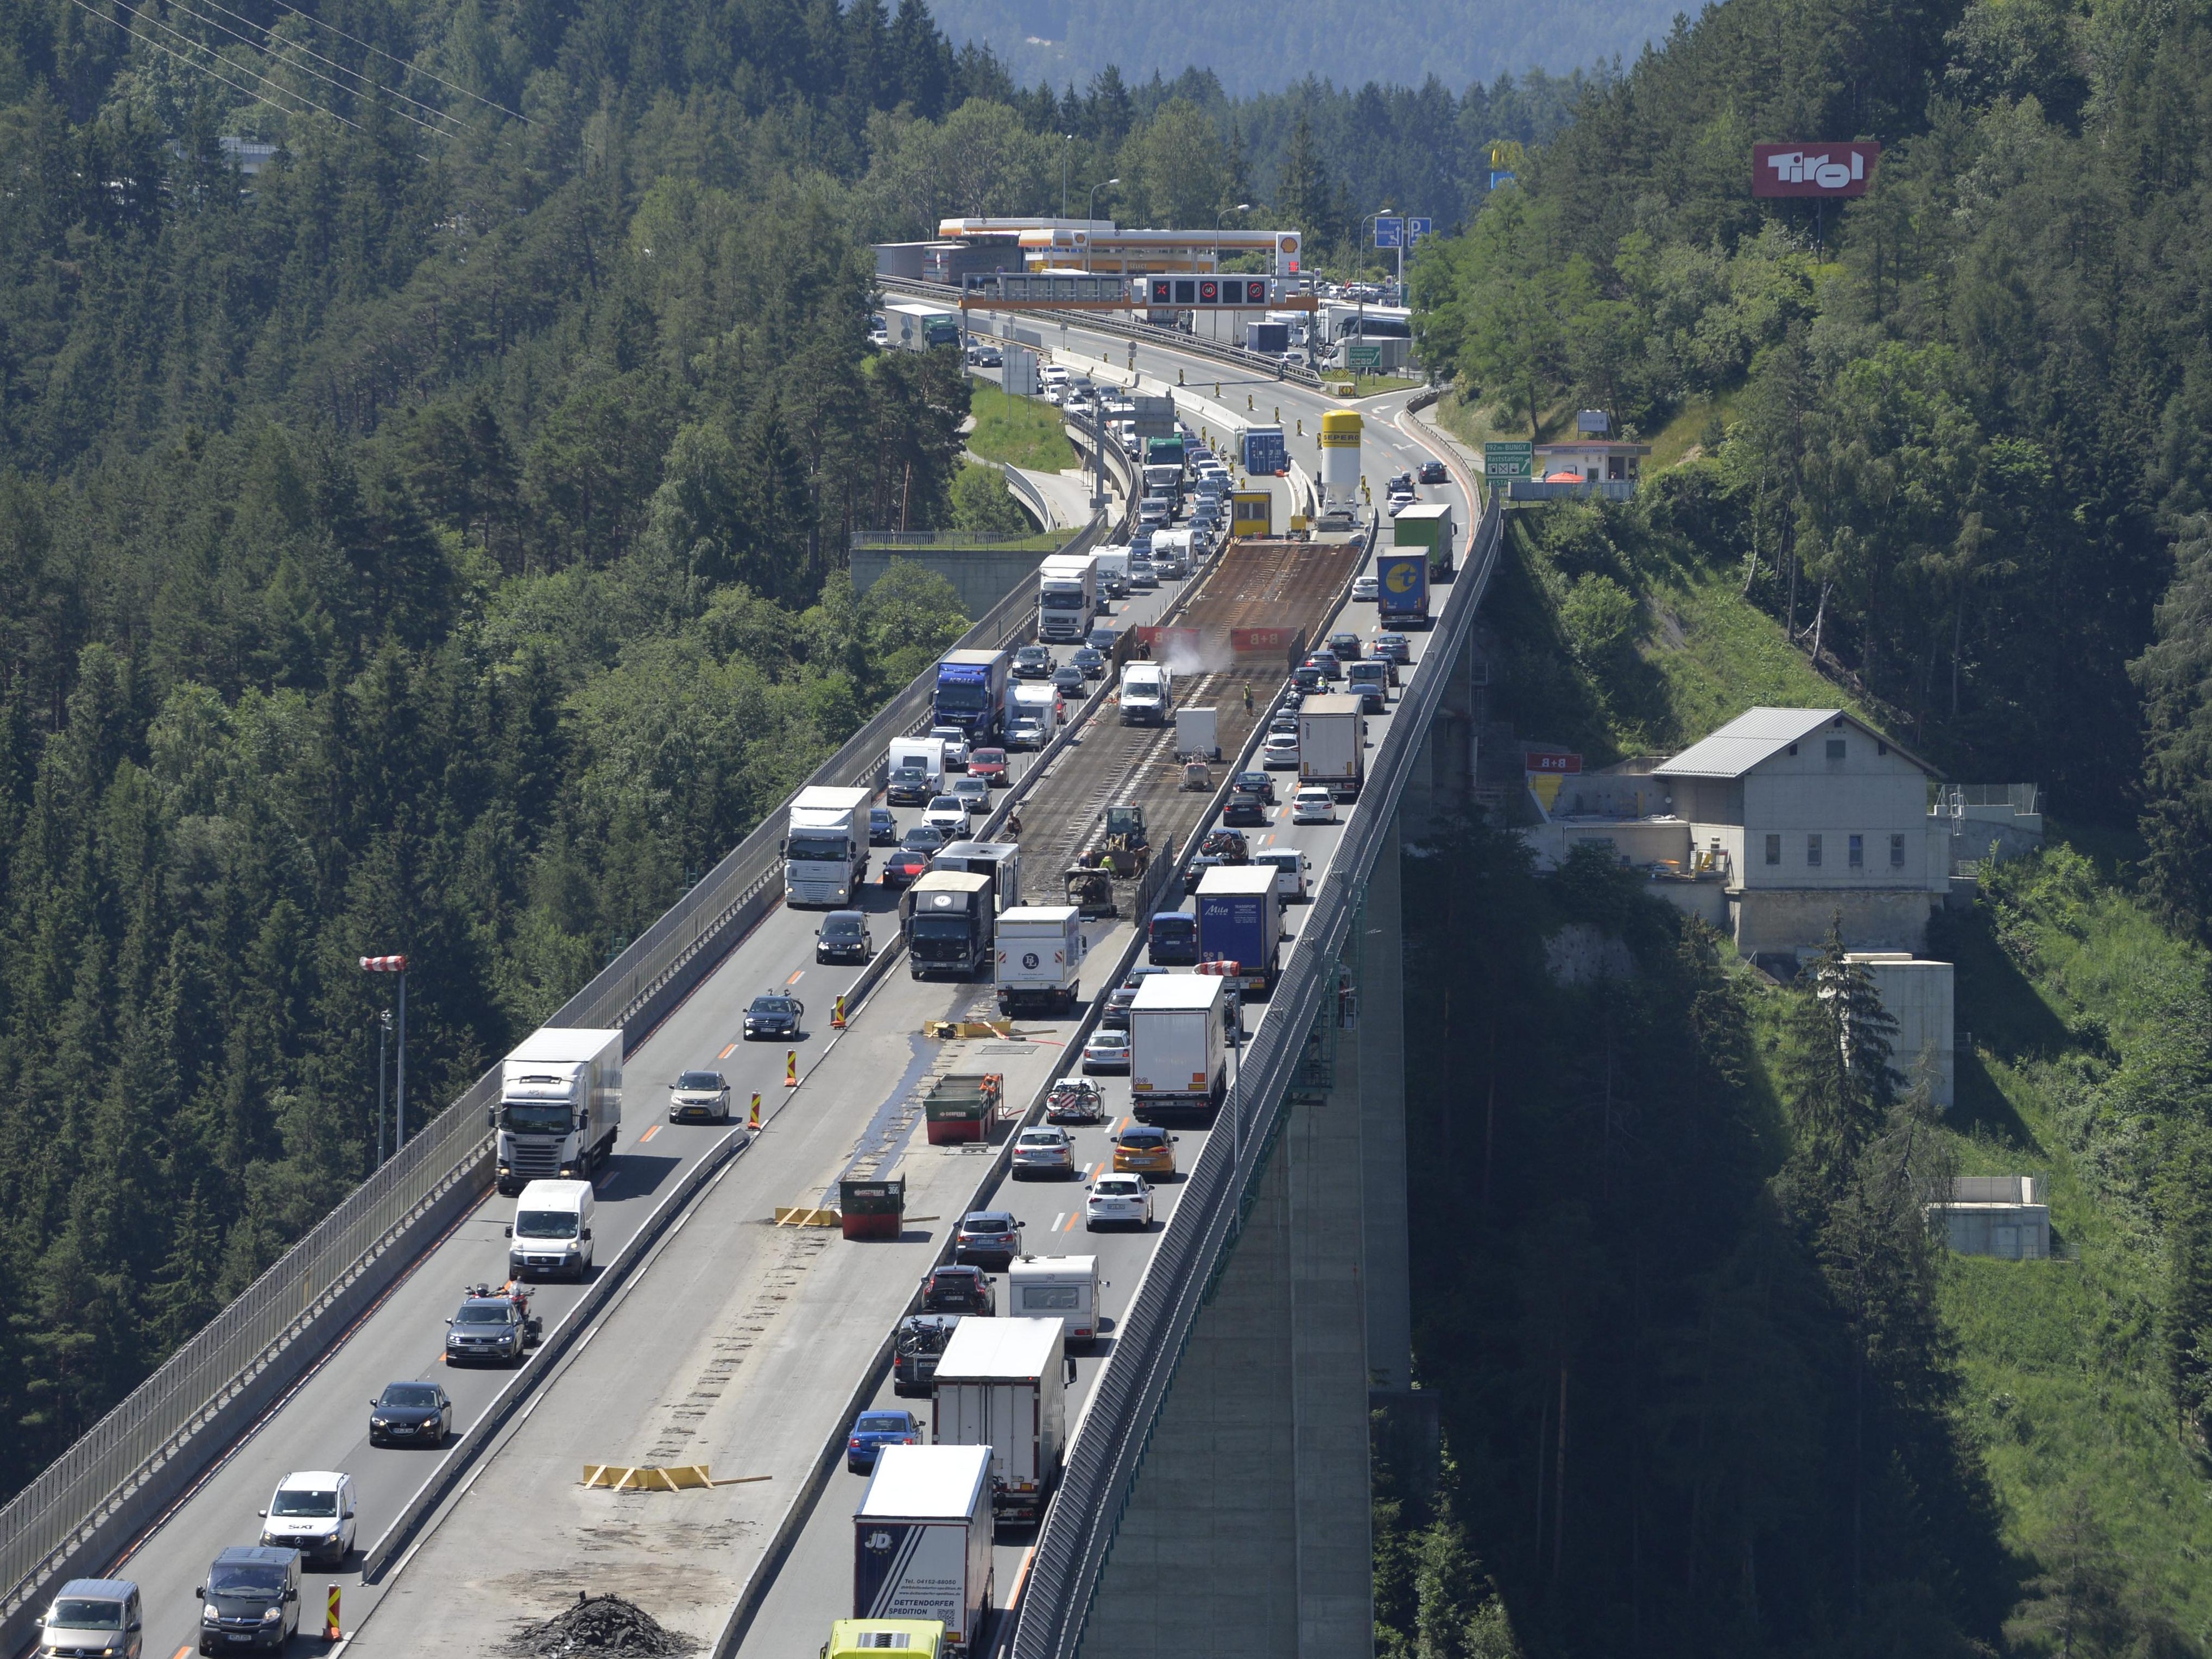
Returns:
(1558, 761)
(1813, 169)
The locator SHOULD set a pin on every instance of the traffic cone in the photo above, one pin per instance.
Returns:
(331, 1618)
(753, 1122)
(837, 1014)
(791, 1068)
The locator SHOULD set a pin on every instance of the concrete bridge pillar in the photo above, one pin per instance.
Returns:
(1252, 1499)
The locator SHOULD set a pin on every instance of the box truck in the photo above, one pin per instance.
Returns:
(1265, 454)
(1062, 1287)
(921, 1539)
(1268, 339)
(560, 1106)
(1198, 732)
(1240, 920)
(1002, 1384)
(825, 846)
(1332, 743)
(1067, 594)
(1039, 961)
(1002, 861)
(1178, 1044)
(1401, 587)
(947, 917)
(1147, 694)
(971, 692)
(1428, 526)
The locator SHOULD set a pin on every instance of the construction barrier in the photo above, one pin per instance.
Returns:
(330, 1617)
(676, 1477)
(805, 1215)
(791, 1068)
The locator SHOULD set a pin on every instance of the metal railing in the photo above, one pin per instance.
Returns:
(1079, 1528)
(64, 1507)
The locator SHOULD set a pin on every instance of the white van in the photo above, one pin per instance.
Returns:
(1291, 866)
(552, 1230)
(1062, 1287)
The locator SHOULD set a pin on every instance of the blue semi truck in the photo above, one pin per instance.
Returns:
(971, 694)
(1240, 920)
(1401, 587)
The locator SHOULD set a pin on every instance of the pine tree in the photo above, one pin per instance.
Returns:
(2185, 1325)
(1840, 1085)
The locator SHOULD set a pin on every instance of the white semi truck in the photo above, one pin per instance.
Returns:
(560, 1106)
(922, 1541)
(1001, 1384)
(1067, 595)
(825, 846)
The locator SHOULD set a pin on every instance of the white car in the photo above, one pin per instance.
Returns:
(956, 745)
(312, 1512)
(1118, 1200)
(948, 815)
(1044, 1151)
(1312, 804)
(1363, 590)
(1280, 751)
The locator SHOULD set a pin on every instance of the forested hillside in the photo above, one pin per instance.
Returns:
(433, 543)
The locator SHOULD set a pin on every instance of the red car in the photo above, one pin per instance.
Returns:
(990, 765)
(904, 867)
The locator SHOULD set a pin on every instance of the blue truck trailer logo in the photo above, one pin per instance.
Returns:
(1402, 586)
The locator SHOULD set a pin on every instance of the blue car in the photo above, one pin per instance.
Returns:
(875, 1430)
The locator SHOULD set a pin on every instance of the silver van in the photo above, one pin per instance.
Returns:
(1290, 867)
(94, 1615)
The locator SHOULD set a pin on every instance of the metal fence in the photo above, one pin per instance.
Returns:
(61, 1511)
(1079, 1528)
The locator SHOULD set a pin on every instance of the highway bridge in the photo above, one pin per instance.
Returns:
(1220, 1449)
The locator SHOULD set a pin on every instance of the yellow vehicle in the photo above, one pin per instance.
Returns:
(872, 1638)
(1142, 1150)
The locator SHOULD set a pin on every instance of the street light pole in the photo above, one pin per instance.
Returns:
(395, 965)
(1066, 150)
(1091, 213)
(1242, 207)
(382, 1037)
(1380, 213)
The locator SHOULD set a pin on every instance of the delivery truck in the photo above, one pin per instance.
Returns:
(1040, 959)
(1147, 694)
(1178, 1045)
(825, 846)
(560, 1106)
(1332, 743)
(922, 1541)
(1265, 454)
(971, 694)
(947, 917)
(1062, 1287)
(1240, 920)
(1002, 1384)
(1401, 587)
(1268, 339)
(1002, 861)
(1428, 526)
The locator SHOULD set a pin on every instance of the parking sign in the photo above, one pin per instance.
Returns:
(1417, 228)
(1389, 232)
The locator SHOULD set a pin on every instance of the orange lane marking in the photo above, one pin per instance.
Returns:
(727, 1052)
(1069, 1226)
(648, 1134)
(796, 977)
(182, 1651)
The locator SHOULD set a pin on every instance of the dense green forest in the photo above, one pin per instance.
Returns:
(434, 542)
(1255, 47)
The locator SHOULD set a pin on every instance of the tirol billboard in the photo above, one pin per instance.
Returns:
(1813, 169)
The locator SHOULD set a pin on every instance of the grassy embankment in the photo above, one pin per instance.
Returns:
(2087, 1023)
(1023, 432)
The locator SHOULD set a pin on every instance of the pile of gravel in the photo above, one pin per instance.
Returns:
(607, 1626)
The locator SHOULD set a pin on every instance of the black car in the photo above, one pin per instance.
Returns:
(1091, 660)
(488, 1328)
(411, 1415)
(1372, 698)
(1433, 472)
(1195, 872)
(1116, 1016)
(923, 838)
(1262, 784)
(1345, 648)
(1306, 676)
(882, 827)
(989, 1237)
(1033, 662)
(1067, 680)
(844, 937)
(1245, 807)
(915, 1350)
(1227, 845)
(772, 1014)
(910, 786)
(958, 1289)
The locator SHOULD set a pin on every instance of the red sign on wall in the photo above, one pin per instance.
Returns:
(1557, 760)
(1813, 169)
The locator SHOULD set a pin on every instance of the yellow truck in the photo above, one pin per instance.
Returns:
(872, 1638)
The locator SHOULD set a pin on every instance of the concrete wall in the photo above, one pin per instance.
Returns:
(2000, 1216)
(1637, 841)
(982, 575)
(1918, 996)
(1786, 920)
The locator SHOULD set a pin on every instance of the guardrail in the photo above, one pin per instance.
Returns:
(124, 1470)
(1079, 1528)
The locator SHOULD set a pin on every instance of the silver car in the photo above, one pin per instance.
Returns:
(1044, 1151)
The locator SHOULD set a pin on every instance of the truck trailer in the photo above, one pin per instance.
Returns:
(825, 846)
(948, 919)
(1240, 920)
(560, 1106)
(1428, 526)
(1002, 861)
(1401, 587)
(1332, 743)
(1001, 1384)
(922, 1541)
(1179, 1044)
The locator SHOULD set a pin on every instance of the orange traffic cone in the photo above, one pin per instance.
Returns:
(791, 1068)
(753, 1122)
(837, 1014)
(331, 1618)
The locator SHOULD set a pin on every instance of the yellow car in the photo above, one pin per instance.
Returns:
(1140, 1149)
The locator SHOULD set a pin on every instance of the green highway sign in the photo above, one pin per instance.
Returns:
(1509, 460)
(1366, 357)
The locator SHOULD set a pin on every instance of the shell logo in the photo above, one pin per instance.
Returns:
(1286, 253)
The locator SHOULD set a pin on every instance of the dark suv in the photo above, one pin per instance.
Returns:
(243, 1587)
(958, 1289)
(488, 1328)
(920, 1340)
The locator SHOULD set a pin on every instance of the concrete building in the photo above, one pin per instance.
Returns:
(1592, 460)
(1918, 995)
(2002, 1216)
